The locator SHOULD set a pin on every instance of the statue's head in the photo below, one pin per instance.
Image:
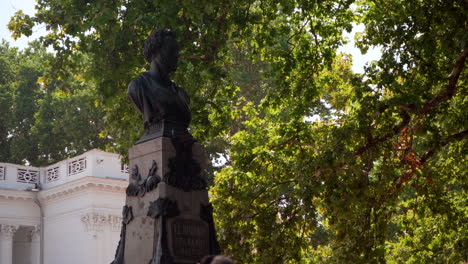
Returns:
(161, 48)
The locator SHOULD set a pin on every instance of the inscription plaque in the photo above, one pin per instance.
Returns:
(190, 239)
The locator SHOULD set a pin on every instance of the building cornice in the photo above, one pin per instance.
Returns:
(17, 195)
(81, 184)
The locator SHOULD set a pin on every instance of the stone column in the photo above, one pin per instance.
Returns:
(36, 245)
(95, 223)
(6, 243)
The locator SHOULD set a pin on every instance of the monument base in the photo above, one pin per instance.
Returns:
(167, 215)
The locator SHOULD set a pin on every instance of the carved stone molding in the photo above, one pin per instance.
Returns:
(82, 184)
(96, 222)
(2, 172)
(52, 174)
(115, 222)
(35, 233)
(7, 231)
(124, 168)
(16, 195)
(77, 166)
(27, 176)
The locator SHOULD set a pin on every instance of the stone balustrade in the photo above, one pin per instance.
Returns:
(94, 163)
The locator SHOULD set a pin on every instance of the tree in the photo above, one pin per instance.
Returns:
(41, 124)
(112, 34)
(21, 93)
(7, 57)
(369, 176)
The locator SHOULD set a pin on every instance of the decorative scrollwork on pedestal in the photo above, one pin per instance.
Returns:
(136, 182)
(153, 179)
(162, 209)
(185, 172)
(206, 213)
(138, 186)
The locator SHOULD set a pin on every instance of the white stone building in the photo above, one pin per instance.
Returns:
(68, 212)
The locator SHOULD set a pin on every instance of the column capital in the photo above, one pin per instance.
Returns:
(7, 231)
(94, 221)
(35, 233)
(116, 222)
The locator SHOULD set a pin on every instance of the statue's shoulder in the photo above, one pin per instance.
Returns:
(185, 95)
(138, 82)
(182, 90)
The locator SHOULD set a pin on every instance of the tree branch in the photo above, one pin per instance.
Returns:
(455, 137)
(294, 141)
(451, 86)
(312, 30)
(295, 34)
(396, 129)
(426, 108)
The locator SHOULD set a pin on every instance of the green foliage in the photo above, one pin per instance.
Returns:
(112, 33)
(42, 124)
(324, 165)
(7, 69)
(20, 24)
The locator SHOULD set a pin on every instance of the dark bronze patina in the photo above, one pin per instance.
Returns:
(206, 213)
(190, 239)
(185, 173)
(162, 209)
(164, 105)
(127, 217)
(165, 110)
(138, 186)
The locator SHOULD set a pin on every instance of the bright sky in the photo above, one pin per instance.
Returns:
(9, 7)
(359, 59)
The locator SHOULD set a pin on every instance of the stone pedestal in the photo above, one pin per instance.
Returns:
(167, 217)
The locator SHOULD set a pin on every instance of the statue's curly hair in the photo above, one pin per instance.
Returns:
(155, 41)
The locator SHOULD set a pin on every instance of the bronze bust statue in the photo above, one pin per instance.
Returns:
(164, 105)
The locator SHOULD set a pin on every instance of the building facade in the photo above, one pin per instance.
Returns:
(68, 212)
